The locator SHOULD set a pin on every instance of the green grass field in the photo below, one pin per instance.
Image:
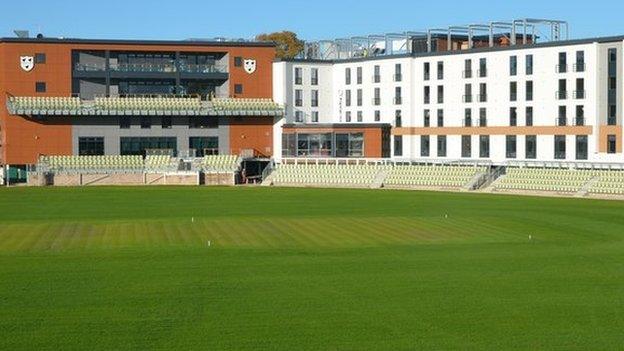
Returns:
(307, 269)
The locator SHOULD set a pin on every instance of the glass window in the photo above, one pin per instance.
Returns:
(513, 117)
(347, 76)
(359, 75)
(513, 65)
(138, 145)
(238, 88)
(440, 117)
(482, 117)
(424, 145)
(40, 87)
(348, 116)
(426, 71)
(202, 122)
(299, 116)
(426, 118)
(611, 144)
(397, 118)
(298, 75)
(560, 147)
(314, 76)
(513, 91)
(359, 116)
(289, 146)
(467, 117)
(581, 147)
(562, 67)
(579, 119)
(529, 65)
(204, 145)
(377, 115)
(466, 146)
(482, 67)
(166, 123)
(299, 97)
(441, 145)
(530, 147)
(238, 61)
(146, 122)
(427, 94)
(359, 97)
(314, 98)
(562, 118)
(124, 122)
(440, 70)
(528, 114)
(376, 74)
(529, 90)
(440, 94)
(90, 146)
(315, 116)
(484, 146)
(398, 145)
(348, 98)
(40, 58)
(510, 142)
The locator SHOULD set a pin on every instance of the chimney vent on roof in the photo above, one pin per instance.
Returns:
(39, 36)
(21, 33)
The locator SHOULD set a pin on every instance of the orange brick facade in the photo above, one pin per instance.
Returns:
(23, 139)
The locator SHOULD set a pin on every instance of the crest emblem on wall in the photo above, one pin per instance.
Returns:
(249, 65)
(27, 63)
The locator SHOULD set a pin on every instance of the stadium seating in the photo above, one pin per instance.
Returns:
(328, 175)
(156, 103)
(93, 164)
(543, 179)
(432, 175)
(230, 104)
(220, 163)
(31, 103)
(159, 163)
(609, 182)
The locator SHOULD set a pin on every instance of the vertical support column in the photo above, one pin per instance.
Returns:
(177, 69)
(107, 68)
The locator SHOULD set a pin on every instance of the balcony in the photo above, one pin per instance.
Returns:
(561, 121)
(150, 70)
(467, 98)
(467, 73)
(579, 67)
(561, 68)
(467, 122)
(398, 77)
(398, 100)
(143, 67)
(376, 78)
(612, 121)
(482, 73)
(579, 94)
(561, 94)
(482, 97)
(376, 101)
(579, 121)
(90, 67)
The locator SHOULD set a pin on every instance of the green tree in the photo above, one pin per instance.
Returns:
(288, 45)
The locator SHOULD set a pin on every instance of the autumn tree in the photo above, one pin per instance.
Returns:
(288, 45)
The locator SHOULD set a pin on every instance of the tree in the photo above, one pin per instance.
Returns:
(288, 45)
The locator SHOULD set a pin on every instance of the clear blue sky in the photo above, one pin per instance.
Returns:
(312, 19)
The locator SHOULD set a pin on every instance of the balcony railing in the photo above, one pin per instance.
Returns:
(90, 67)
(579, 67)
(398, 77)
(376, 78)
(529, 96)
(561, 94)
(398, 100)
(513, 96)
(579, 121)
(150, 67)
(467, 98)
(467, 122)
(482, 73)
(467, 73)
(611, 121)
(579, 94)
(482, 122)
(376, 101)
(561, 121)
(561, 68)
(314, 103)
(482, 97)
(298, 80)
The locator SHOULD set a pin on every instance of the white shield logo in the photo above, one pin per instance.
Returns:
(250, 66)
(27, 63)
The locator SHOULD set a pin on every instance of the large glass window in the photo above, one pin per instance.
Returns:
(398, 145)
(484, 146)
(138, 145)
(560, 147)
(202, 122)
(289, 147)
(581, 147)
(424, 145)
(91, 146)
(466, 146)
(441, 145)
(314, 145)
(349, 144)
(510, 143)
(204, 145)
(530, 147)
